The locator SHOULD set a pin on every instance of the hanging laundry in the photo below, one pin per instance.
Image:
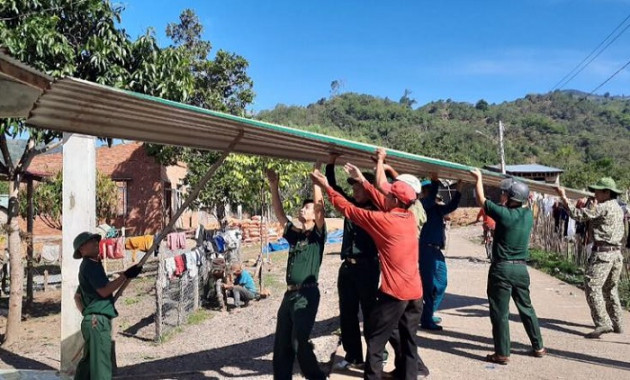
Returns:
(191, 264)
(219, 243)
(198, 255)
(138, 243)
(106, 248)
(119, 248)
(50, 253)
(180, 266)
(169, 267)
(176, 240)
(112, 233)
(200, 235)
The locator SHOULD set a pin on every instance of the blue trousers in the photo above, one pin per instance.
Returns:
(434, 280)
(440, 281)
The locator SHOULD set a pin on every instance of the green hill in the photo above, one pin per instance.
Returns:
(587, 136)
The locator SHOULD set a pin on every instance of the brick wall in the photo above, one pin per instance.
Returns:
(145, 180)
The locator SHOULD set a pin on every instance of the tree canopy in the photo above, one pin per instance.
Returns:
(584, 135)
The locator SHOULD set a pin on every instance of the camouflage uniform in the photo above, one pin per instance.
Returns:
(606, 228)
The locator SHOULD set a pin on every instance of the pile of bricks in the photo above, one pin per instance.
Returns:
(252, 229)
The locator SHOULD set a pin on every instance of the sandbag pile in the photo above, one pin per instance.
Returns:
(252, 232)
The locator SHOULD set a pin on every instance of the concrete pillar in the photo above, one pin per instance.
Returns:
(79, 214)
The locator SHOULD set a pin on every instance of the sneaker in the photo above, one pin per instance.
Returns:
(618, 330)
(437, 320)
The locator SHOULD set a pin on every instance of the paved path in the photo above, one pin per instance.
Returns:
(459, 350)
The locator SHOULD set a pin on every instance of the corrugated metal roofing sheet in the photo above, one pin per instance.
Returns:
(73, 105)
(527, 168)
(77, 106)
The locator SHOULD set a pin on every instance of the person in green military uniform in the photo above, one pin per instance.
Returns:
(508, 275)
(94, 299)
(606, 230)
(357, 283)
(296, 316)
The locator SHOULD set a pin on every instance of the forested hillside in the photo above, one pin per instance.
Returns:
(586, 136)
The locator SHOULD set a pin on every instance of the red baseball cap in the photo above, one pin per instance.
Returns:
(404, 192)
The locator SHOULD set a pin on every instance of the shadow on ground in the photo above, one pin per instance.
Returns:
(247, 357)
(16, 361)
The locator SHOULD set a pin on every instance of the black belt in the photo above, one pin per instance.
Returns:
(359, 260)
(296, 287)
(510, 261)
(606, 248)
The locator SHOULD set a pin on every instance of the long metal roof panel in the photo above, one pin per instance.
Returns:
(77, 106)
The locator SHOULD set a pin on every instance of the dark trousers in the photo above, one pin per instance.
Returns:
(241, 295)
(357, 285)
(507, 280)
(96, 363)
(296, 318)
(389, 313)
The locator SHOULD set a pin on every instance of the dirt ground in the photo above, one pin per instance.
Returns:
(239, 344)
(213, 345)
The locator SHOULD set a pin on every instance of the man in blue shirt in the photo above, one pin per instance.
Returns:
(432, 239)
(243, 289)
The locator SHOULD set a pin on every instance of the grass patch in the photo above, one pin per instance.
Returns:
(274, 283)
(198, 316)
(167, 336)
(567, 271)
(130, 301)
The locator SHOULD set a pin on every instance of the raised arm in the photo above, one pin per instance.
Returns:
(390, 171)
(454, 203)
(378, 199)
(581, 214)
(366, 219)
(276, 202)
(318, 200)
(381, 178)
(480, 196)
(330, 176)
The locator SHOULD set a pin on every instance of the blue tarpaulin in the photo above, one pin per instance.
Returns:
(282, 244)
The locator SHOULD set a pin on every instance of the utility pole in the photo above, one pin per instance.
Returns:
(501, 151)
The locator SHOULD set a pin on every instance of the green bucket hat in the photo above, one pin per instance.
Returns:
(605, 183)
(81, 239)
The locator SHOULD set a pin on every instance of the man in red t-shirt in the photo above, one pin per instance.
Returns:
(399, 299)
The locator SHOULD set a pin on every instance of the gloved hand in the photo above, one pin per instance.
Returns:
(133, 271)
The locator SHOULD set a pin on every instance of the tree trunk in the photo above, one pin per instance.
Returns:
(17, 272)
(30, 244)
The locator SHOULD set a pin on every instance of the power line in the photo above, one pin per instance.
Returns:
(611, 77)
(564, 81)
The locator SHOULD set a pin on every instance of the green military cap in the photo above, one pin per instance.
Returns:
(81, 239)
(605, 183)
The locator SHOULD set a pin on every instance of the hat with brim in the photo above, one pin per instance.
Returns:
(368, 177)
(403, 192)
(81, 239)
(605, 183)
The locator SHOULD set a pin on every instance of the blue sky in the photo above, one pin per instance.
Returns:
(464, 50)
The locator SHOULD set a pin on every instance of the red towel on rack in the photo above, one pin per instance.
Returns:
(180, 267)
(102, 249)
(119, 248)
